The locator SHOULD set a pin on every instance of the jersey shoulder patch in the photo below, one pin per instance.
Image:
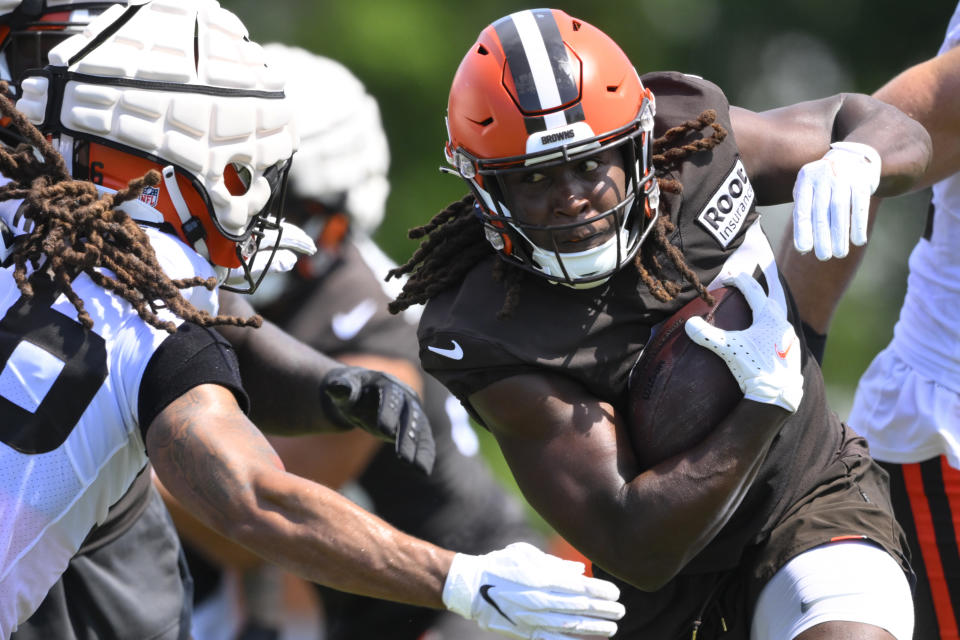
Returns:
(725, 212)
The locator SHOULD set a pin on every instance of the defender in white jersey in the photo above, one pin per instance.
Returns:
(907, 402)
(171, 140)
(336, 302)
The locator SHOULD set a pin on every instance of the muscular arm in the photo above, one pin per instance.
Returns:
(332, 459)
(573, 462)
(775, 144)
(928, 93)
(220, 467)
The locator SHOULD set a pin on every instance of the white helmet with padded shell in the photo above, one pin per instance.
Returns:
(175, 85)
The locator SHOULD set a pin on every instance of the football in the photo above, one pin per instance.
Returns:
(679, 391)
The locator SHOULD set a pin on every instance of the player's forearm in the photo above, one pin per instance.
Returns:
(321, 536)
(211, 545)
(222, 469)
(673, 510)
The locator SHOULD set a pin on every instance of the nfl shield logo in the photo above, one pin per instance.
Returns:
(150, 196)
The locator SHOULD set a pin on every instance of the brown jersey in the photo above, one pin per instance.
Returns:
(596, 335)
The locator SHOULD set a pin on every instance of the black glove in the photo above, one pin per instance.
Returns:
(354, 397)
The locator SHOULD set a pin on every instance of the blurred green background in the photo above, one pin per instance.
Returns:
(763, 53)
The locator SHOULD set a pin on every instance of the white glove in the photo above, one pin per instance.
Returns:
(765, 357)
(832, 200)
(521, 592)
(293, 241)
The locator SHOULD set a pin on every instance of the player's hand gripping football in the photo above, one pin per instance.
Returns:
(765, 357)
(832, 200)
(521, 592)
(354, 397)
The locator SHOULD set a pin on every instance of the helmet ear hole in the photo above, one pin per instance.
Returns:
(237, 178)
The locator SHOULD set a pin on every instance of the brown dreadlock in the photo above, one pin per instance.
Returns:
(76, 230)
(455, 240)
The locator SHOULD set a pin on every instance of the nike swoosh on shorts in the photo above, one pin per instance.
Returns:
(454, 353)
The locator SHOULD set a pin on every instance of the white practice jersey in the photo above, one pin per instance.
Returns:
(927, 336)
(908, 401)
(70, 445)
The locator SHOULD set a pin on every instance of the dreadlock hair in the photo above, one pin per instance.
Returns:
(454, 238)
(76, 230)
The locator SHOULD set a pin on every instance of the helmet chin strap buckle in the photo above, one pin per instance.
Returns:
(192, 229)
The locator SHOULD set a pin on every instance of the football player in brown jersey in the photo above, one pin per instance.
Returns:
(600, 202)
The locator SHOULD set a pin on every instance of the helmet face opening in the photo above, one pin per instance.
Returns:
(613, 236)
(266, 223)
(538, 90)
(584, 251)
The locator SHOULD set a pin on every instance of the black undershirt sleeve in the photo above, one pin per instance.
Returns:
(192, 356)
(816, 342)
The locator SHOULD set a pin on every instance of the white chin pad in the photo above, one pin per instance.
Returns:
(584, 264)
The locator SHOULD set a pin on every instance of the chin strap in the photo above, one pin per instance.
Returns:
(190, 224)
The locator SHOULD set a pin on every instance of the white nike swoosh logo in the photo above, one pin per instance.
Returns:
(347, 325)
(456, 353)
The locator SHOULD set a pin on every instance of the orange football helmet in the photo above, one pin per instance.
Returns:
(540, 87)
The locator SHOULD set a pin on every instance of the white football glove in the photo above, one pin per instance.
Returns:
(765, 357)
(521, 592)
(832, 200)
(293, 242)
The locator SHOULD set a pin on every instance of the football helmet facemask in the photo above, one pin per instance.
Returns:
(540, 88)
(177, 86)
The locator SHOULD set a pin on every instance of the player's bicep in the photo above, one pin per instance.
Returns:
(208, 454)
(566, 448)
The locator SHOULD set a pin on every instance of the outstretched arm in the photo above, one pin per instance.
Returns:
(221, 468)
(927, 93)
(280, 373)
(216, 462)
(334, 459)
